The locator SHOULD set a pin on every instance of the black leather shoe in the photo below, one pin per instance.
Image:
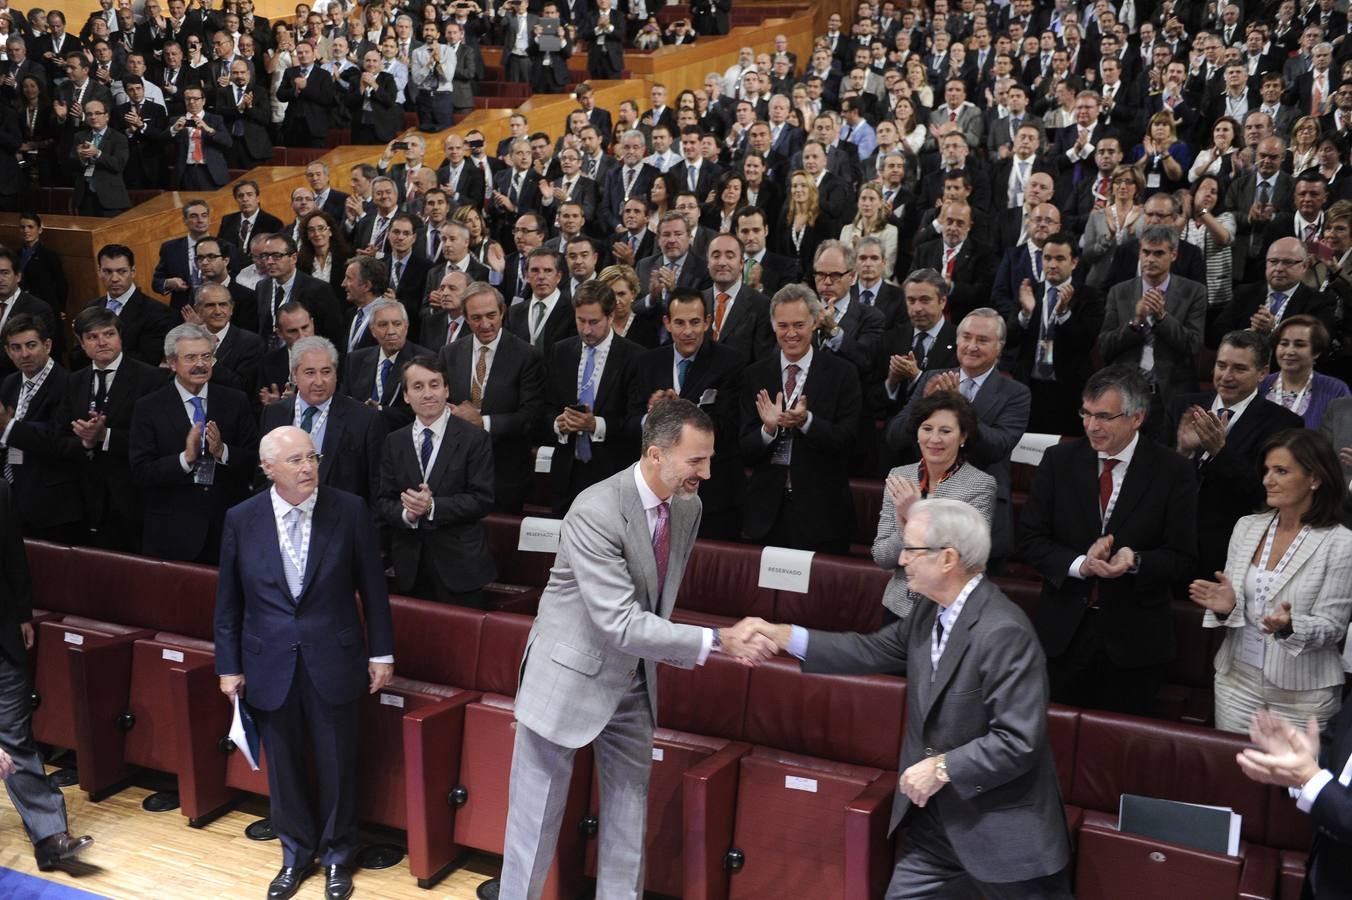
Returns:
(57, 848)
(287, 881)
(338, 882)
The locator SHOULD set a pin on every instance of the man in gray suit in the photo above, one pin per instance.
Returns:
(1156, 323)
(590, 670)
(978, 790)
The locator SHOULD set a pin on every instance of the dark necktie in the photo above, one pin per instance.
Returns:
(1106, 485)
(101, 389)
(662, 543)
(425, 451)
(307, 419)
(918, 349)
(278, 298)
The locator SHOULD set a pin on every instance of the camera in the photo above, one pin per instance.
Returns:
(399, 145)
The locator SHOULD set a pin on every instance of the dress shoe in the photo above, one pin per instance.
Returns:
(287, 881)
(338, 882)
(57, 848)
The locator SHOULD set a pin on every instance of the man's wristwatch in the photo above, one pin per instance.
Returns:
(718, 641)
(941, 768)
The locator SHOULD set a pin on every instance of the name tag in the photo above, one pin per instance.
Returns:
(783, 569)
(14, 457)
(539, 535)
(795, 783)
(392, 700)
(172, 655)
(709, 396)
(544, 457)
(1253, 646)
(1152, 180)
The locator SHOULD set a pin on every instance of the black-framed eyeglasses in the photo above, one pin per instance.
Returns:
(1101, 418)
(271, 255)
(829, 276)
(210, 256)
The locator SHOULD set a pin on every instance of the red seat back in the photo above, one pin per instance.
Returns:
(383, 796)
(708, 699)
(51, 573)
(844, 594)
(722, 578)
(435, 642)
(515, 566)
(502, 645)
(153, 741)
(1063, 734)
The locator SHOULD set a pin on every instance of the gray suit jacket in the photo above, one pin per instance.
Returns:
(603, 614)
(1178, 337)
(969, 484)
(986, 708)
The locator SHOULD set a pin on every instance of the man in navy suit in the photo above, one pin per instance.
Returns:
(200, 140)
(192, 450)
(310, 98)
(289, 640)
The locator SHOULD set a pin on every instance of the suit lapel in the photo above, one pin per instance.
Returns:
(636, 521)
(333, 439)
(959, 638)
(1306, 549)
(1085, 472)
(1138, 478)
(272, 550)
(321, 530)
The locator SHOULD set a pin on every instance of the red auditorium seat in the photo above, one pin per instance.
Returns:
(813, 797)
(844, 594)
(1118, 755)
(517, 567)
(1288, 831)
(721, 578)
(867, 496)
(1188, 693)
(486, 759)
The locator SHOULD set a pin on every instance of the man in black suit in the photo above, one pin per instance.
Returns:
(1052, 335)
(453, 255)
(572, 186)
(515, 190)
(767, 272)
(177, 271)
(464, 182)
(739, 315)
(144, 321)
(408, 269)
(546, 317)
(631, 178)
(870, 287)
(660, 113)
(922, 340)
(373, 104)
(15, 301)
(175, 77)
(238, 228)
(193, 448)
(244, 108)
(98, 156)
(96, 426)
(443, 316)
(371, 374)
(604, 33)
(1158, 209)
(692, 173)
(371, 231)
(674, 265)
(349, 434)
(1110, 525)
(144, 124)
(436, 485)
(46, 487)
(43, 275)
(1254, 198)
(201, 140)
(708, 373)
(1222, 434)
(960, 259)
(284, 282)
(1261, 306)
(798, 495)
(589, 381)
(496, 382)
(327, 198)
(310, 97)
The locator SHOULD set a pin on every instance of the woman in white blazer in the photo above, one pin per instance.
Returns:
(942, 423)
(1286, 594)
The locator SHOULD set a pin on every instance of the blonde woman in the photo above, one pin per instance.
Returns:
(803, 225)
(1304, 150)
(1112, 224)
(871, 220)
(639, 328)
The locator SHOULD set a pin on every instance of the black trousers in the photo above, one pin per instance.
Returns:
(309, 738)
(196, 177)
(1084, 675)
(429, 586)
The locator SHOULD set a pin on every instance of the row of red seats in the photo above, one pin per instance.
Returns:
(758, 774)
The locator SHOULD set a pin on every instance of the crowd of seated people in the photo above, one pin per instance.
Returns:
(944, 228)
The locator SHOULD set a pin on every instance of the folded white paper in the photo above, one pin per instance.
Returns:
(1031, 447)
(782, 569)
(539, 535)
(244, 734)
(544, 457)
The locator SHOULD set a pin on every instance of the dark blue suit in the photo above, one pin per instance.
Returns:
(353, 437)
(304, 660)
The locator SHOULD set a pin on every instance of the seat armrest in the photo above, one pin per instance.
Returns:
(433, 736)
(1259, 876)
(202, 714)
(868, 852)
(709, 794)
(99, 669)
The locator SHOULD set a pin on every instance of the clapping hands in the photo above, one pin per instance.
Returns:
(1286, 756)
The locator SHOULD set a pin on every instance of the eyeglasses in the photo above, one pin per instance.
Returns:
(919, 551)
(521, 230)
(1283, 261)
(210, 256)
(829, 276)
(272, 255)
(1101, 418)
(299, 460)
(193, 359)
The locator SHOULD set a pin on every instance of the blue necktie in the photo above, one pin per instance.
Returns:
(307, 419)
(378, 391)
(425, 452)
(199, 417)
(294, 576)
(682, 370)
(114, 306)
(1278, 301)
(587, 397)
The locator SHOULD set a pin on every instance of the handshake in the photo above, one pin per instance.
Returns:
(754, 640)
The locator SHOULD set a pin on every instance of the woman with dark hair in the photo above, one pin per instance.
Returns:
(37, 126)
(728, 196)
(1299, 341)
(1162, 159)
(481, 246)
(1211, 229)
(1219, 159)
(757, 188)
(1286, 593)
(323, 251)
(942, 422)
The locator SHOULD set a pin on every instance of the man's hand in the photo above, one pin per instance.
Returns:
(1027, 299)
(1286, 756)
(1262, 320)
(659, 395)
(1154, 300)
(1063, 297)
(466, 411)
(1210, 431)
(1120, 563)
(417, 503)
(273, 394)
(745, 643)
(189, 314)
(90, 431)
(1098, 551)
(623, 253)
(380, 673)
(944, 381)
(232, 685)
(769, 411)
(7, 766)
(921, 781)
(6, 416)
(1217, 596)
(754, 279)
(902, 367)
(576, 421)
(795, 417)
(215, 445)
(26, 630)
(193, 445)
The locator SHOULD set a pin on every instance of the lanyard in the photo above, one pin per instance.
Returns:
(1264, 579)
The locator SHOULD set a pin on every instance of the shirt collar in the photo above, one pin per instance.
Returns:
(42, 373)
(646, 496)
(302, 406)
(126, 298)
(977, 380)
(950, 612)
(1124, 456)
(803, 364)
(1236, 409)
(491, 345)
(187, 396)
(280, 507)
(438, 428)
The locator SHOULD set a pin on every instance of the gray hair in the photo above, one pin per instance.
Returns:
(846, 252)
(985, 312)
(305, 345)
(459, 227)
(1323, 45)
(511, 148)
(665, 422)
(1129, 383)
(931, 277)
(1175, 208)
(673, 216)
(384, 303)
(186, 332)
(385, 178)
(1160, 234)
(475, 288)
(631, 134)
(957, 525)
(870, 241)
(200, 292)
(792, 293)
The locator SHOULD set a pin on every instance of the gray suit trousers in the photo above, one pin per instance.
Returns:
(541, 772)
(38, 801)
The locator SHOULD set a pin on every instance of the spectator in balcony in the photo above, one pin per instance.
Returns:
(243, 105)
(550, 66)
(43, 275)
(201, 140)
(605, 34)
(98, 155)
(710, 16)
(38, 128)
(1299, 342)
(310, 99)
(942, 422)
(145, 124)
(1283, 595)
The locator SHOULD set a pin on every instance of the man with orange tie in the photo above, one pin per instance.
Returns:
(739, 315)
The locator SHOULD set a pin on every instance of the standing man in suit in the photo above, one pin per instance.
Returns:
(496, 382)
(972, 636)
(240, 227)
(98, 156)
(289, 641)
(371, 374)
(964, 262)
(516, 190)
(39, 803)
(673, 266)
(623, 550)
(327, 197)
(238, 350)
(244, 107)
(799, 420)
(285, 283)
(193, 445)
(144, 321)
(739, 315)
(1110, 524)
(1156, 323)
(1002, 406)
(201, 140)
(1255, 197)
(1262, 305)
(15, 301)
(349, 434)
(96, 425)
(766, 272)
(709, 375)
(604, 32)
(589, 381)
(46, 488)
(374, 105)
(177, 271)
(144, 122)
(1222, 434)
(546, 318)
(310, 97)
(922, 340)
(436, 485)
